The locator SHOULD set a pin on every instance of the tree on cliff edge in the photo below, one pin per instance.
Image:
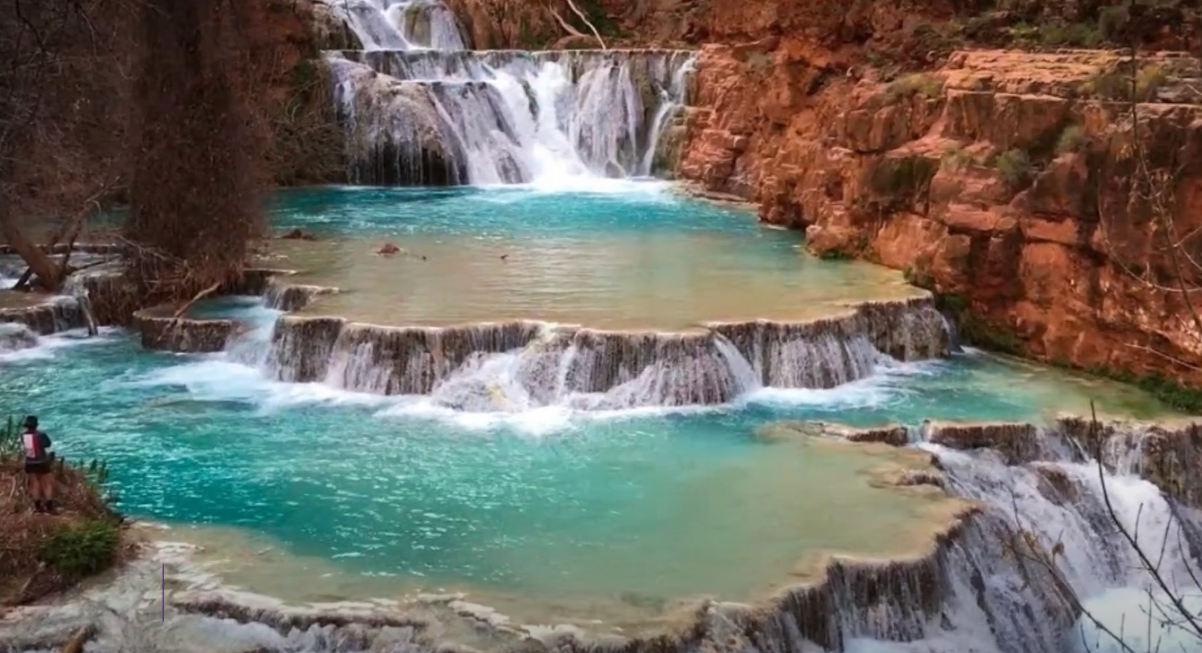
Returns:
(196, 180)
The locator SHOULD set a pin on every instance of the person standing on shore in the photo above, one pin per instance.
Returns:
(39, 466)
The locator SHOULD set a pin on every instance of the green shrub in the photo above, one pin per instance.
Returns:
(908, 86)
(1111, 86)
(1014, 166)
(1072, 139)
(1024, 32)
(78, 550)
(902, 176)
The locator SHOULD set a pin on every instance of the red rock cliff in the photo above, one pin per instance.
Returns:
(1004, 179)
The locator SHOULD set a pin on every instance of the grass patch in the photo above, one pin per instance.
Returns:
(42, 554)
(908, 86)
(1072, 139)
(1015, 167)
(1074, 35)
(10, 440)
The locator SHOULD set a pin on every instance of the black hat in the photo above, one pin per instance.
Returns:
(31, 422)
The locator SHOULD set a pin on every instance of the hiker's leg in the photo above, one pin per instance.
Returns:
(48, 490)
(34, 483)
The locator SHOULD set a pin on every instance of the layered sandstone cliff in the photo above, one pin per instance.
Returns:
(1012, 182)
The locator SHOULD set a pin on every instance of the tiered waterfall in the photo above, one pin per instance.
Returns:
(419, 108)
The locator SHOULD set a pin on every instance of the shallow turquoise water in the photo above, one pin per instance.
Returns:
(550, 506)
(547, 502)
(643, 258)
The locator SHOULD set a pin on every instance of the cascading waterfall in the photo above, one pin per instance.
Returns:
(420, 109)
(514, 366)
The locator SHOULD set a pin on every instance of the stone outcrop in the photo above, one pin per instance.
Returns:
(1018, 443)
(1002, 180)
(161, 331)
(52, 315)
(894, 434)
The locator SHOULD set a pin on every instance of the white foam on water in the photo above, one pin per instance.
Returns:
(52, 346)
(1143, 620)
(215, 378)
(539, 421)
(879, 389)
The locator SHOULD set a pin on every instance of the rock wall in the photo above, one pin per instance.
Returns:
(1002, 180)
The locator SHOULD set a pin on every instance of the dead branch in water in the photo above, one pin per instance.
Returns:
(199, 296)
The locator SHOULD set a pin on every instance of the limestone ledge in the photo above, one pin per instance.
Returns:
(1002, 178)
(840, 599)
(414, 360)
(162, 330)
(1167, 454)
(46, 315)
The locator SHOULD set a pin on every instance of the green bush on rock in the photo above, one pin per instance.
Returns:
(78, 550)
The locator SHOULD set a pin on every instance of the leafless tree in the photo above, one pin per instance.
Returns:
(63, 87)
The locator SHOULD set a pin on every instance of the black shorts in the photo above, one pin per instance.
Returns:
(39, 468)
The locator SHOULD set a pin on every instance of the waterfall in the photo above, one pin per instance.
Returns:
(420, 109)
(512, 366)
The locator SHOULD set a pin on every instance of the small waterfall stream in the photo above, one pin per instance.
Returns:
(418, 108)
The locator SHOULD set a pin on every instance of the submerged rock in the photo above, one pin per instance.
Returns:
(893, 435)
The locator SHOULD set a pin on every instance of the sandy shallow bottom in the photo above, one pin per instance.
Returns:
(603, 283)
(642, 258)
(902, 524)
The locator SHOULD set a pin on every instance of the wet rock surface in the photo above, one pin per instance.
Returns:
(603, 369)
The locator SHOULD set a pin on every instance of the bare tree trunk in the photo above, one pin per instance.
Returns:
(38, 261)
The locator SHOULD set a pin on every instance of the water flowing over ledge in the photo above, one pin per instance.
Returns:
(452, 118)
(419, 107)
(520, 365)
